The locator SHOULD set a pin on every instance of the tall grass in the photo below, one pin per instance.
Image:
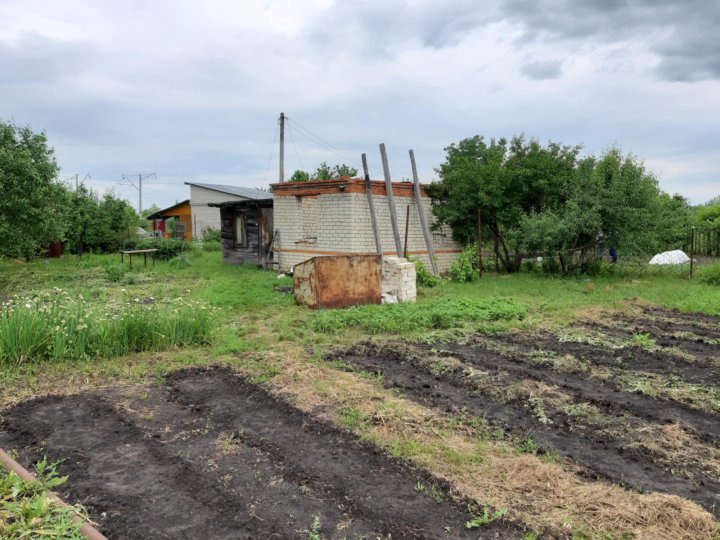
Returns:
(54, 326)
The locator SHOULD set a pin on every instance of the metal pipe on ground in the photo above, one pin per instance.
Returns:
(11, 465)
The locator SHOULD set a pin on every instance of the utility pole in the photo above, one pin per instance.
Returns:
(137, 186)
(282, 147)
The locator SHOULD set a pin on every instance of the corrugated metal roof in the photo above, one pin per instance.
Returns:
(248, 193)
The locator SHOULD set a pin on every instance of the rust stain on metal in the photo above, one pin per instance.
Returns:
(337, 282)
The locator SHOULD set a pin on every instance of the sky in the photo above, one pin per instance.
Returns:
(192, 90)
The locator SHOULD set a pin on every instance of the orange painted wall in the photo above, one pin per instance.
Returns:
(184, 215)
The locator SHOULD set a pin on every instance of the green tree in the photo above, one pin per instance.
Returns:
(544, 199)
(325, 172)
(300, 176)
(32, 201)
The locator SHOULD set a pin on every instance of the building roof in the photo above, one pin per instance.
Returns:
(268, 201)
(159, 213)
(248, 193)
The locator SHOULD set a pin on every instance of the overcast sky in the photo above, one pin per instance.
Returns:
(192, 90)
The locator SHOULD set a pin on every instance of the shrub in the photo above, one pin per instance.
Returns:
(211, 235)
(115, 272)
(424, 278)
(465, 267)
(167, 247)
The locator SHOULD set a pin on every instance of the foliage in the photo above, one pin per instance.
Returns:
(212, 246)
(179, 261)
(300, 176)
(115, 271)
(32, 202)
(150, 211)
(486, 517)
(54, 326)
(325, 172)
(434, 314)
(465, 267)
(167, 248)
(26, 511)
(211, 235)
(424, 278)
(99, 224)
(544, 199)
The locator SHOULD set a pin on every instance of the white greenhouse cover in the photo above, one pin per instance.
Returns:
(676, 256)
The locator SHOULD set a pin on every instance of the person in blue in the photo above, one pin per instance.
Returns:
(613, 254)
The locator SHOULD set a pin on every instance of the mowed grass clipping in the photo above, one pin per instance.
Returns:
(435, 314)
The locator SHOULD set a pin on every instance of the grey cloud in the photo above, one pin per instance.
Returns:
(35, 59)
(683, 33)
(380, 28)
(540, 70)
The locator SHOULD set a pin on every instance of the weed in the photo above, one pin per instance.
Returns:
(26, 511)
(114, 272)
(526, 445)
(314, 530)
(486, 517)
(643, 340)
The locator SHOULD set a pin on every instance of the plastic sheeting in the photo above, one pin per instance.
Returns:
(676, 256)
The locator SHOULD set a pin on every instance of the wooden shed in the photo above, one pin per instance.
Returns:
(247, 231)
(179, 212)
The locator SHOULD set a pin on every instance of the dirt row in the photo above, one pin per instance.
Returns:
(592, 424)
(210, 455)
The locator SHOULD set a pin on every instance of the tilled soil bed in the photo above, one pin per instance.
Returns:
(612, 409)
(211, 456)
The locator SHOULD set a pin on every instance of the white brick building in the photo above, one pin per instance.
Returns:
(332, 217)
(202, 195)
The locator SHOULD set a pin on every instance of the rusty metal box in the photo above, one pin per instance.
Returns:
(338, 281)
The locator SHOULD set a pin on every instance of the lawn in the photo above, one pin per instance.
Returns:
(546, 352)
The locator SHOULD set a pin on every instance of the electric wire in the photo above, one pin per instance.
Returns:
(272, 152)
(317, 139)
(295, 147)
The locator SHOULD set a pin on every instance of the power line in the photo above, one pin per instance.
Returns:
(272, 152)
(137, 186)
(295, 147)
(324, 143)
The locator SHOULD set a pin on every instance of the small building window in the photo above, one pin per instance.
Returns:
(241, 230)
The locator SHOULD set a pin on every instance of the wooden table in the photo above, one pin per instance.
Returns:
(143, 252)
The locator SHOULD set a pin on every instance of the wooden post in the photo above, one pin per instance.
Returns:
(692, 249)
(479, 226)
(421, 214)
(281, 172)
(391, 200)
(407, 228)
(373, 217)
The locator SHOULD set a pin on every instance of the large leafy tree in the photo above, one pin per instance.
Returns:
(538, 198)
(32, 202)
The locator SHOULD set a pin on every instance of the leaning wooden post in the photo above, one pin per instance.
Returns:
(373, 218)
(391, 200)
(421, 214)
(479, 225)
(407, 229)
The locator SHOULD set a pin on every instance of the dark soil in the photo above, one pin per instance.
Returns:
(212, 456)
(602, 393)
(452, 391)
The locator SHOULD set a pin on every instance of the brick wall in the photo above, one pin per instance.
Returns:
(343, 224)
(399, 279)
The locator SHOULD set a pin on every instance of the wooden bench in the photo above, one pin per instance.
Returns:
(143, 252)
